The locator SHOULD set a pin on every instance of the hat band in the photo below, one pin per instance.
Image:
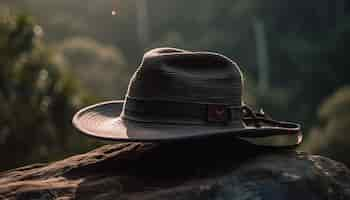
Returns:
(180, 112)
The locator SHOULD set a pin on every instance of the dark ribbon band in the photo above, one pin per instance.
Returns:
(192, 113)
(198, 113)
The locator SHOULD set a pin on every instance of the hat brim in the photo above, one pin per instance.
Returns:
(103, 121)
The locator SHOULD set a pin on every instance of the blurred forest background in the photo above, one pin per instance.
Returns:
(57, 56)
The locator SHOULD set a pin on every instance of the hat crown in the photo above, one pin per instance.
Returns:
(177, 75)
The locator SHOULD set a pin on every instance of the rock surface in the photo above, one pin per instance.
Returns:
(192, 170)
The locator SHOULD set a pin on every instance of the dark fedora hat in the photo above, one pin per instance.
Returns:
(177, 94)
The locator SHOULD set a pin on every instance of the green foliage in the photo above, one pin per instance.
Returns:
(337, 106)
(36, 98)
(330, 137)
(102, 69)
(307, 44)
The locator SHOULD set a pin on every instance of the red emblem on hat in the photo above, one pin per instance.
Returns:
(217, 113)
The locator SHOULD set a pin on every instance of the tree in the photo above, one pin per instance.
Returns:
(330, 137)
(101, 68)
(37, 98)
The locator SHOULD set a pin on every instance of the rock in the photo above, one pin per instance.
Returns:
(215, 169)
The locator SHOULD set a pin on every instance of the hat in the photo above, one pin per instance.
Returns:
(179, 95)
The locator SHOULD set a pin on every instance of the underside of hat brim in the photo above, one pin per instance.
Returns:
(103, 121)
